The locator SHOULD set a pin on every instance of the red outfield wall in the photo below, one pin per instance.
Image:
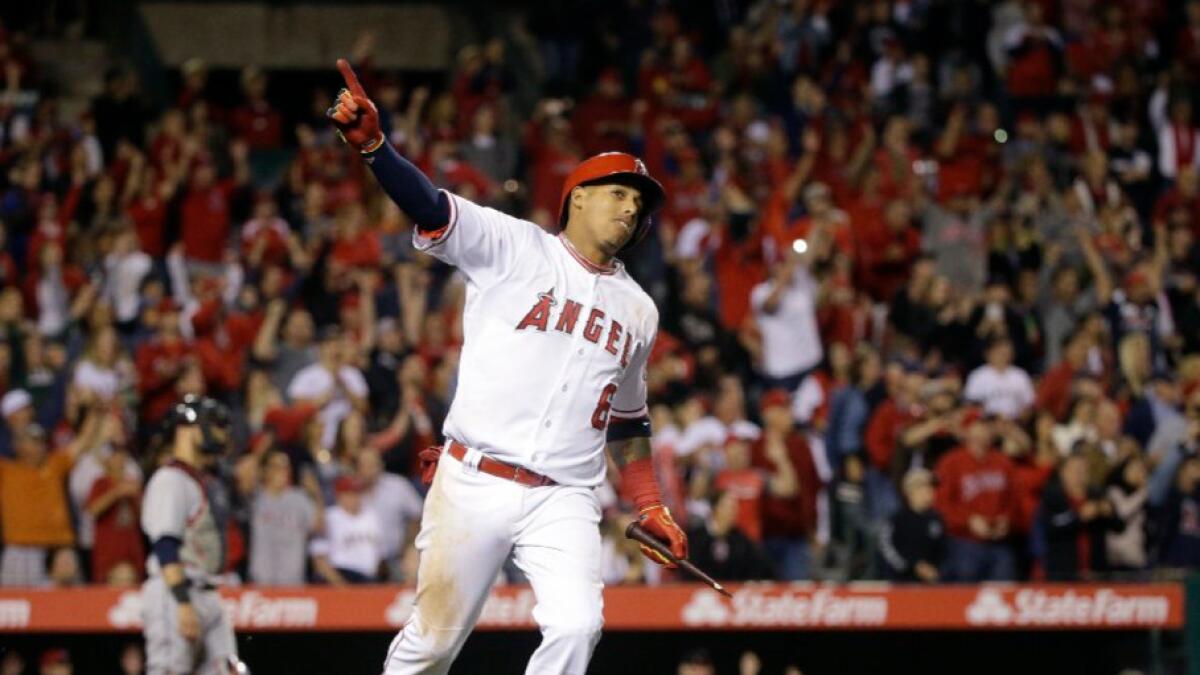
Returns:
(765, 606)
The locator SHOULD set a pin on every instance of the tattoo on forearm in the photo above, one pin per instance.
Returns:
(629, 450)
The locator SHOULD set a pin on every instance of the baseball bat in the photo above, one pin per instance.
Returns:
(639, 534)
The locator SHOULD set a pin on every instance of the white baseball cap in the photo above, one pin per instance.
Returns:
(14, 401)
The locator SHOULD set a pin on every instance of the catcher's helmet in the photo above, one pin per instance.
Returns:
(210, 415)
(621, 168)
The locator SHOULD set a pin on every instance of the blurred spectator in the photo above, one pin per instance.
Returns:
(12, 663)
(790, 500)
(133, 660)
(913, 544)
(976, 497)
(255, 121)
(126, 266)
(1180, 530)
(164, 363)
(282, 519)
(723, 550)
(55, 662)
(706, 436)
(891, 418)
(119, 112)
(849, 408)
(206, 212)
(1170, 446)
(34, 509)
(114, 502)
(16, 407)
(284, 342)
(696, 662)
(1126, 545)
(854, 540)
(350, 549)
(396, 504)
(1073, 519)
(331, 384)
(1000, 387)
(102, 374)
(64, 570)
(486, 149)
(604, 120)
(785, 311)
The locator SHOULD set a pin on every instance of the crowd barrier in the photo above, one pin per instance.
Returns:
(753, 607)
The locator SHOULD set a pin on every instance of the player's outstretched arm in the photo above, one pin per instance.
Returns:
(630, 449)
(357, 119)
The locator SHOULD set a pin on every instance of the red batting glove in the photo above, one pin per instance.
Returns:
(354, 115)
(658, 521)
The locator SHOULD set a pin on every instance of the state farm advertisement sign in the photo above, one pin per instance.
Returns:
(763, 606)
(758, 607)
(1039, 607)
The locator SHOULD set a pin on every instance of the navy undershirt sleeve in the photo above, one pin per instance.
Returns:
(166, 549)
(625, 429)
(411, 189)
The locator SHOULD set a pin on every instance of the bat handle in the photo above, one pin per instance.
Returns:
(636, 532)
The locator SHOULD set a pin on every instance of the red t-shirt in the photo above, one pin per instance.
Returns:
(157, 389)
(969, 486)
(362, 250)
(204, 221)
(272, 235)
(149, 216)
(883, 430)
(747, 485)
(796, 515)
(1054, 391)
(118, 532)
(259, 125)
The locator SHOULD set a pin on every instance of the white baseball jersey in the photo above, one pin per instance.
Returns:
(554, 345)
(352, 541)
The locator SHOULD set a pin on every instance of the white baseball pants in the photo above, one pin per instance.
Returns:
(472, 522)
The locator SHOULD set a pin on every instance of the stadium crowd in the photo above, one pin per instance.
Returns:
(927, 276)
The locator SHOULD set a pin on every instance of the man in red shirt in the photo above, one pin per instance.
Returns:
(255, 121)
(602, 120)
(789, 507)
(161, 361)
(1055, 391)
(114, 501)
(746, 484)
(205, 211)
(977, 498)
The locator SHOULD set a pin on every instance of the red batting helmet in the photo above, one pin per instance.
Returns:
(616, 167)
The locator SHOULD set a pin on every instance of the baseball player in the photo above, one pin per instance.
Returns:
(556, 337)
(185, 628)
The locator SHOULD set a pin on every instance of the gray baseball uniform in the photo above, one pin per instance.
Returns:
(175, 504)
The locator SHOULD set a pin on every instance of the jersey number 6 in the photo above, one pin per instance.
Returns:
(600, 414)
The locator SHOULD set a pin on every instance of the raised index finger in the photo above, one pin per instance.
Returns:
(350, 78)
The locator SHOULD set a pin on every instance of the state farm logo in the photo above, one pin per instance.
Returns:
(1050, 607)
(400, 608)
(14, 613)
(252, 609)
(514, 609)
(989, 607)
(752, 606)
(705, 607)
(127, 613)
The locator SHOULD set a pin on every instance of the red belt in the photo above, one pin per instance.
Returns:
(501, 469)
